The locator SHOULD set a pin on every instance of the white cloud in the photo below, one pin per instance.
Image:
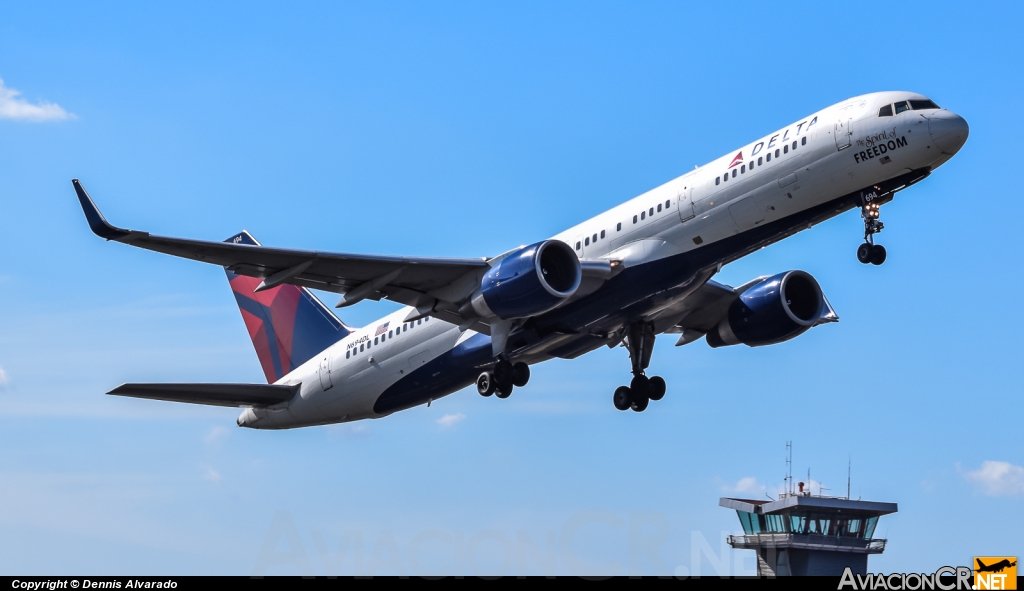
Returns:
(215, 434)
(746, 485)
(211, 475)
(450, 419)
(998, 479)
(4, 380)
(14, 107)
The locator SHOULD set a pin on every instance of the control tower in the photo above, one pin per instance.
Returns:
(802, 534)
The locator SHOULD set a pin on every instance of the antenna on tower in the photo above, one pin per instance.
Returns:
(849, 463)
(789, 467)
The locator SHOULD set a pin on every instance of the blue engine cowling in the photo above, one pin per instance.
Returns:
(771, 311)
(529, 281)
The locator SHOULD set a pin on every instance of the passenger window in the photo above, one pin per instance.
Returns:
(577, 246)
(725, 177)
(618, 227)
(776, 153)
(659, 207)
(743, 169)
(667, 201)
(347, 353)
(383, 337)
(374, 340)
(794, 145)
(595, 237)
(922, 105)
(391, 333)
(420, 321)
(718, 180)
(360, 348)
(900, 107)
(643, 215)
(587, 241)
(634, 219)
(602, 234)
(785, 149)
(651, 212)
(734, 173)
(759, 161)
(426, 319)
(885, 111)
(768, 158)
(803, 141)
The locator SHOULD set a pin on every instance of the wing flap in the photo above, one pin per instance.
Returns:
(255, 395)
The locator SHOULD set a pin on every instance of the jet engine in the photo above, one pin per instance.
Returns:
(771, 311)
(529, 281)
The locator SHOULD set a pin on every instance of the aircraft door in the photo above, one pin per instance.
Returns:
(685, 199)
(844, 130)
(325, 372)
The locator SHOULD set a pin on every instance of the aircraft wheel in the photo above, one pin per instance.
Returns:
(520, 374)
(504, 391)
(657, 388)
(877, 254)
(622, 398)
(864, 253)
(641, 386)
(503, 372)
(640, 404)
(485, 384)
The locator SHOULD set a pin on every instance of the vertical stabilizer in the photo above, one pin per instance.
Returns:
(288, 325)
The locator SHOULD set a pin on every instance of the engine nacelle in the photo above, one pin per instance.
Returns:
(531, 280)
(771, 311)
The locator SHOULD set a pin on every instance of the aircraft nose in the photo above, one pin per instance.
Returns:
(949, 131)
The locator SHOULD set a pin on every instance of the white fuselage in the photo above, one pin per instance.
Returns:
(842, 149)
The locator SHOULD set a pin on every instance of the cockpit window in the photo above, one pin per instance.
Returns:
(922, 105)
(885, 111)
(901, 106)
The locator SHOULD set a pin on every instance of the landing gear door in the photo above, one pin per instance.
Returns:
(843, 132)
(685, 199)
(325, 373)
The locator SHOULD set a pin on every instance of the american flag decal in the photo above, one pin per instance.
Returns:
(383, 328)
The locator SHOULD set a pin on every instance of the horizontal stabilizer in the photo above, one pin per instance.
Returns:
(257, 395)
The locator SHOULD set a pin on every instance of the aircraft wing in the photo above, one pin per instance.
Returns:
(256, 395)
(411, 281)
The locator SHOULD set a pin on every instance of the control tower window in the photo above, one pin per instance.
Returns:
(885, 111)
(922, 105)
(901, 106)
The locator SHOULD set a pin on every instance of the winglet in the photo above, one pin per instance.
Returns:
(97, 222)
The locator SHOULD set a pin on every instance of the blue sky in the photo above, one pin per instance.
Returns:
(465, 129)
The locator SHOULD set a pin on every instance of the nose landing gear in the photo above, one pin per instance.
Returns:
(869, 252)
(641, 389)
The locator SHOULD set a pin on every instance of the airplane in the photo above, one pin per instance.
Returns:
(638, 270)
(994, 568)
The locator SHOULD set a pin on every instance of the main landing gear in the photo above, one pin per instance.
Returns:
(503, 378)
(869, 252)
(641, 389)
